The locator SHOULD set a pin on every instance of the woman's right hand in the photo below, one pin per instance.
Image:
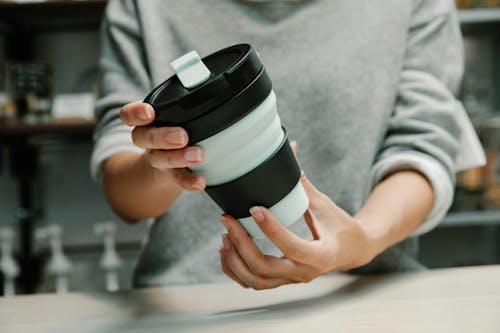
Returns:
(166, 148)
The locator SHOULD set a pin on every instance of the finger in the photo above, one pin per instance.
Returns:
(312, 192)
(312, 224)
(238, 267)
(189, 181)
(177, 158)
(291, 245)
(293, 144)
(256, 261)
(137, 114)
(227, 270)
(315, 196)
(160, 137)
(317, 199)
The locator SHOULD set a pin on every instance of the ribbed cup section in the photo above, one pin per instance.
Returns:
(242, 146)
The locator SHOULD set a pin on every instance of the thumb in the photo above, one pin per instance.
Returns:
(137, 114)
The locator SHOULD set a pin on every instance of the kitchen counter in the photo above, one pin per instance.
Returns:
(443, 300)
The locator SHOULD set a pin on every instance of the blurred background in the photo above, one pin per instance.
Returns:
(57, 232)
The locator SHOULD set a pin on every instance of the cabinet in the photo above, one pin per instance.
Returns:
(470, 233)
(27, 28)
(475, 200)
(24, 28)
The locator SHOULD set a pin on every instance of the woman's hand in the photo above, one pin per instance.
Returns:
(143, 185)
(166, 149)
(339, 242)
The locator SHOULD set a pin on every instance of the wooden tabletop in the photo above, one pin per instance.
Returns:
(446, 300)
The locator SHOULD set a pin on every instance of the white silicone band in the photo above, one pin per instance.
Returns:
(242, 146)
(288, 210)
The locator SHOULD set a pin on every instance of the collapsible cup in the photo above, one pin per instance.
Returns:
(226, 104)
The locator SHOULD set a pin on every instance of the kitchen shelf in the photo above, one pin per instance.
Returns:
(24, 163)
(88, 12)
(479, 15)
(52, 14)
(14, 131)
(471, 218)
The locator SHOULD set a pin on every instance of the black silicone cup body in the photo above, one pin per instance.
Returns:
(264, 186)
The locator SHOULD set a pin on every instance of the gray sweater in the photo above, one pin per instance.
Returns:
(365, 87)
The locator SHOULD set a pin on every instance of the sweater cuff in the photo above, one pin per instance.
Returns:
(436, 174)
(116, 140)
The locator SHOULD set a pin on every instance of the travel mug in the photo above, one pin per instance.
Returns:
(226, 104)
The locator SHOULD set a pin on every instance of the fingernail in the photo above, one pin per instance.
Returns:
(225, 222)
(257, 214)
(226, 242)
(192, 154)
(146, 113)
(196, 183)
(176, 137)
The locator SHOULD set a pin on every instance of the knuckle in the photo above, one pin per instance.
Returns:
(257, 267)
(183, 180)
(362, 260)
(294, 252)
(306, 277)
(322, 201)
(187, 184)
(135, 136)
(226, 270)
(325, 264)
(236, 240)
(273, 232)
(152, 137)
(178, 177)
(325, 198)
(258, 285)
(169, 160)
(153, 158)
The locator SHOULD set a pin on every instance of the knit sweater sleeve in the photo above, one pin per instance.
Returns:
(424, 129)
(124, 79)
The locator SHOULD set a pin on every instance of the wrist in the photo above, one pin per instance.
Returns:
(360, 247)
(392, 213)
(373, 239)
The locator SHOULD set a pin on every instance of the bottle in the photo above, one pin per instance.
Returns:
(8, 266)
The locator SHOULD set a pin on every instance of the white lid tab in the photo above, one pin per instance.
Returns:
(190, 70)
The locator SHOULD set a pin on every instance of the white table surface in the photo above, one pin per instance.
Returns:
(445, 300)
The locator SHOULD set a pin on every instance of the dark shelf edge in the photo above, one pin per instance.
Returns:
(479, 16)
(471, 218)
(52, 15)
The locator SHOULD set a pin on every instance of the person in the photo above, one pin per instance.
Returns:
(366, 91)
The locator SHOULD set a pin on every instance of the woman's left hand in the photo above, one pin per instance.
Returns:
(339, 242)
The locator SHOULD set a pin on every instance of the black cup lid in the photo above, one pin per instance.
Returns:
(236, 73)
